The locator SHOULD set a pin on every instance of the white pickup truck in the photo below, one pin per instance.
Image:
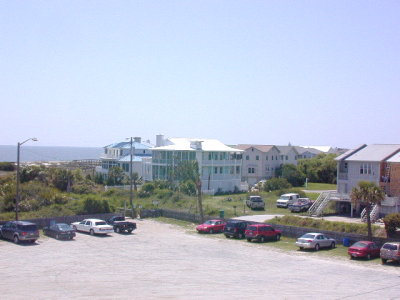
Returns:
(286, 199)
(93, 226)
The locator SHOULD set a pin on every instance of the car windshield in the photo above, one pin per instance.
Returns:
(256, 200)
(360, 245)
(390, 247)
(209, 222)
(101, 223)
(64, 227)
(284, 197)
(308, 236)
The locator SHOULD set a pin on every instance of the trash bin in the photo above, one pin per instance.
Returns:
(222, 214)
(346, 242)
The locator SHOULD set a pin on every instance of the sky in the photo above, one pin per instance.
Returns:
(90, 73)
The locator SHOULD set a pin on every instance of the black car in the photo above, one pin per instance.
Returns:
(235, 228)
(60, 231)
(17, 231)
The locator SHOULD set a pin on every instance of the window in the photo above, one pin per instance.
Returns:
(237, 169)
(287, 157)
(247, 157)
(257, 157)
(266, 158)
(220, 170)
(366, 168)
(272, 157)
(251, 170)
(215, 170)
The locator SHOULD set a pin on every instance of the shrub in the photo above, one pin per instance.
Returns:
(274, 184)
(7, 166)
(93, 206)
(392, 222)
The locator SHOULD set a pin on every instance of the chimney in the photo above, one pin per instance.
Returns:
(159, 140)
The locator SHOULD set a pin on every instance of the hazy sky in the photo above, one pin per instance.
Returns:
(89, 73)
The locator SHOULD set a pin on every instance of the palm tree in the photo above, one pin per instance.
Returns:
(367, 193)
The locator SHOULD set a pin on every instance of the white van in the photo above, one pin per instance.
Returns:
(287, 199)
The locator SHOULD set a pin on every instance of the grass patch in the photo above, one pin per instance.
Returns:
(320, 186)
(184, 224)
(324, 225)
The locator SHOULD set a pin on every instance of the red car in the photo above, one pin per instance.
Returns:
(211, 226)
(364, 249)
(261, 233)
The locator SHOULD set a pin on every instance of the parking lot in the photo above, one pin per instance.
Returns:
(162, 261)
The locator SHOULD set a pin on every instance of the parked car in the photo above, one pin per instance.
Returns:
(255, 202)
(315, 241)
(365, 249)
(299, 205)
(17, 231)
(211, 226)
(93, 226)
(390, 251)
(261, 233)
(60, 231)
(286, 199)
(119, 224)
(235, 228)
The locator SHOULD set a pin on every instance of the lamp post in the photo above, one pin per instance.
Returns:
(130, 179)
(18, 175)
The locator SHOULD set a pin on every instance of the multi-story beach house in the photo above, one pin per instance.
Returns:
(220, 166)
(118, 154)
(375, 163)
(261, 161)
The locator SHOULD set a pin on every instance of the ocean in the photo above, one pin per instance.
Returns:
(48, 153)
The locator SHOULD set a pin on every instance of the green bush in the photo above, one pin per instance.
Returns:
(392, 222)
(93, 206)
(274, 184)
(7, 166)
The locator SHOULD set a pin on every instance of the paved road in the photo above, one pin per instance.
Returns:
(162, 261)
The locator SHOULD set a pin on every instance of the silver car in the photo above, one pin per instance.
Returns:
(315, 241)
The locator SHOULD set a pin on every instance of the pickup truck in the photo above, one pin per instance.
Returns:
(120, 225)
(254, 202)
(301, 204)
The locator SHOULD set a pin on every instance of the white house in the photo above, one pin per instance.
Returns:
(219, 165)
(118, 154)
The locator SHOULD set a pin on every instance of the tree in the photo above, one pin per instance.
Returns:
(189, 171)
(291, 174)
(274, 184)
(116, 176)
(368, 194)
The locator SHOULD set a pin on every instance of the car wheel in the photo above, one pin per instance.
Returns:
(118, 230)
(32, 241)
(16, 239)
(278, 237)
(129, 230)
(241, 235)
(369, 256)
(262, 239)
(91, 232)
(333, 245)
(316, 247)
(351, 257)
(301, 248)
(384, 261)
(211, 231)
(74, 227)
(249, 240)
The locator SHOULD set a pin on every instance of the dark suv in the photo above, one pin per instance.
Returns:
(235, 228)
(17, 231)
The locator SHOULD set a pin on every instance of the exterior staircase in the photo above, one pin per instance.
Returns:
(374, 214)
(318, 206)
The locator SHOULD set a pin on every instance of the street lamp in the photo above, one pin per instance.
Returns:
(130, 179)
(18, 154)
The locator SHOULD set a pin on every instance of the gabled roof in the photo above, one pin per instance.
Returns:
(395, 158)
(262, 148)
(186, 144)
(284, 150)
(374, 153)
(302, 150)
(127, 145)
(350, 152)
